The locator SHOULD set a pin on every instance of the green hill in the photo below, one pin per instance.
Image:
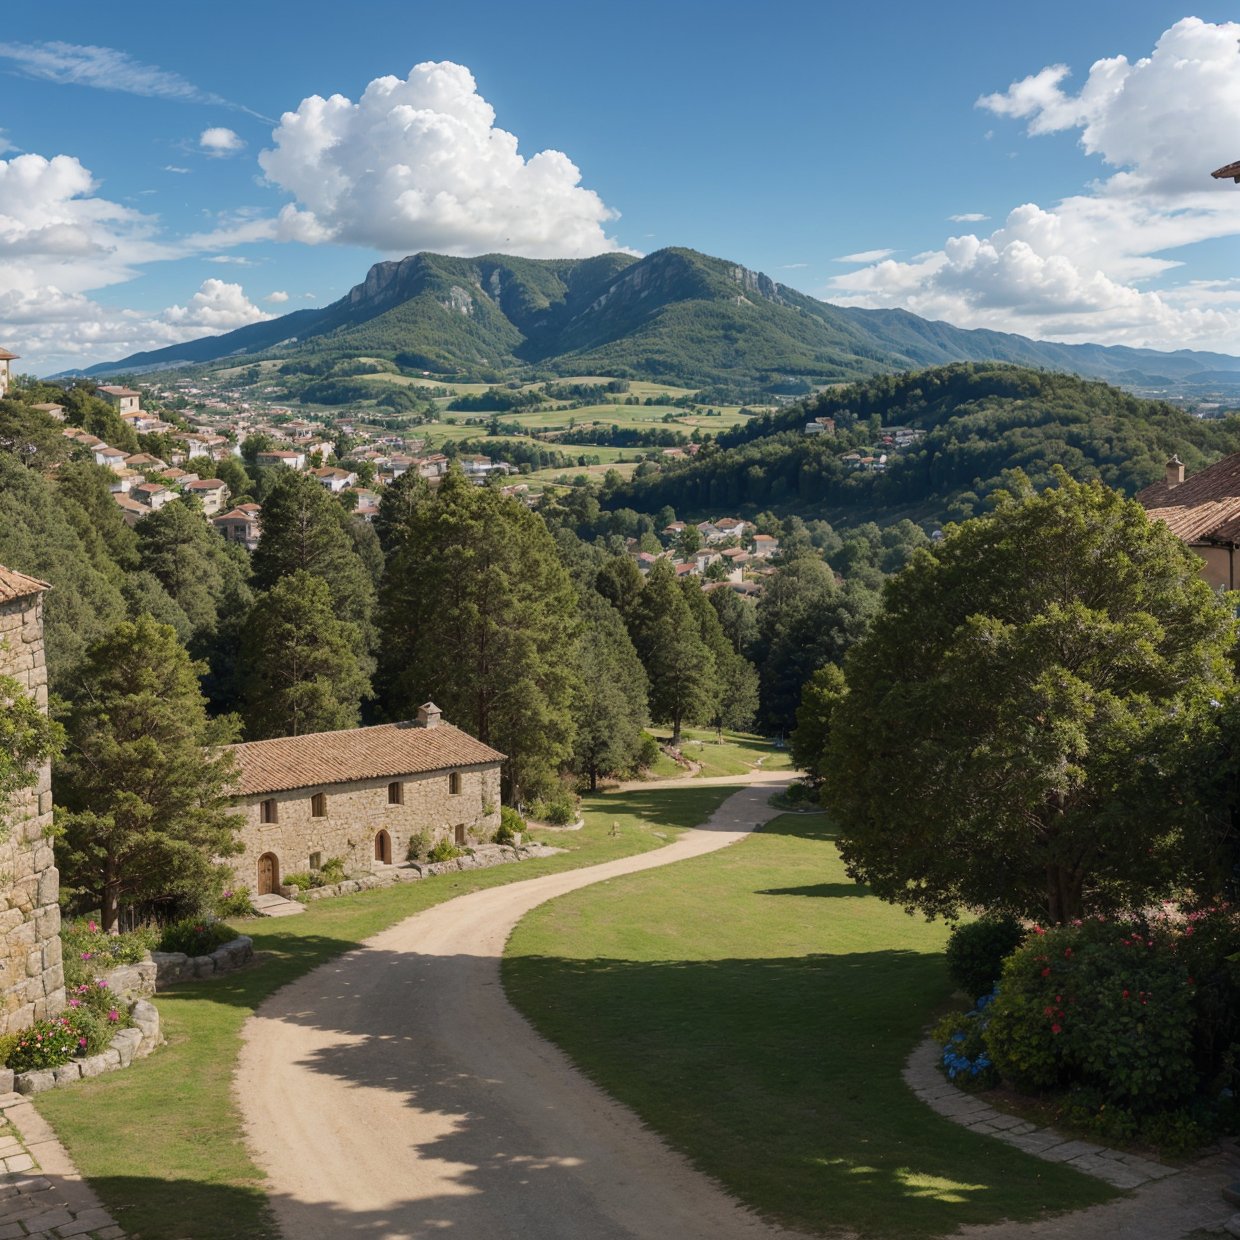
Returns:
(672, 315)
(978, 422)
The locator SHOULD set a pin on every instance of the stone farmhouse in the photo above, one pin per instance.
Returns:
(124, 400)
(32, 982)
(1204, 511)
(360, 795)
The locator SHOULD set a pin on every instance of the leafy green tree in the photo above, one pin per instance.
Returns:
(144, 786)
(738, 618)
(84, 489)
(808, 740)
(230, 470)
(684, 687)
(396, 503)
(736, 700)
(299, 663)
(478, 613)
(304, 528)
(610, 707)
(31, 436)
(28, 738)
(688, 541)
(1001, 744)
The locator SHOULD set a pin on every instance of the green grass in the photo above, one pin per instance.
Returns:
(737, 754)
(755, 1007)
(162, 1143)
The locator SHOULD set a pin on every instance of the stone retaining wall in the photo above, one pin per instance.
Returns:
(128, 1045)
(484, 856)
(172, 967)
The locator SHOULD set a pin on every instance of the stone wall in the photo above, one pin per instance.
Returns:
(32, 983)
(357, 812)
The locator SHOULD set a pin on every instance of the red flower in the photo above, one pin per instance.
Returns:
(1046, 972)
(1056, 1028)
(1125, 994)
(1067, 951)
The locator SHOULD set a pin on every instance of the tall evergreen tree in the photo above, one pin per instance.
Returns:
(611, 707)
(683, 684)
(736, 696)
(478, 613)
(299, 663)
(144, 785)
(305, 528)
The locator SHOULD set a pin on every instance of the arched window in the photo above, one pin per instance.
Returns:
(318, 805)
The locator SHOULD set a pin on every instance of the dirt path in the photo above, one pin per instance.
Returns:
(395, 1093)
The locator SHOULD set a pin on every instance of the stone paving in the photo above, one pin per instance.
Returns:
(41, 1193)
(1118, 1169)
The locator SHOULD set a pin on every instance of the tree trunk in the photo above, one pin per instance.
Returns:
(109, 913)
(676, 732)
(594, 779)
(1063, 894)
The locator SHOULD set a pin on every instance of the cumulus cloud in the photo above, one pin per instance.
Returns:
(418, 163)
(1094, 266)
(216, 307)
(218, 141)
(865, 256)
(277, 297)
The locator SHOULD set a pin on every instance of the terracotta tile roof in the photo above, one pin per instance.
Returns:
(1205, 506)
(6, 356)
(18, 585)
(385, 751)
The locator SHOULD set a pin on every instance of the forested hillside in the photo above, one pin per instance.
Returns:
(675, 315)
(978, 423)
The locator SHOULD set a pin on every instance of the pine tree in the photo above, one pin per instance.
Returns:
(299, 663)
(144, 785)
(478, 613)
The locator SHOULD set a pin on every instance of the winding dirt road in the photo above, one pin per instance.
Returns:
(395, 1093)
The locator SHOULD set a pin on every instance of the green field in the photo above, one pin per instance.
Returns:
(737, 754)
(162, 1144)
(755, 1008)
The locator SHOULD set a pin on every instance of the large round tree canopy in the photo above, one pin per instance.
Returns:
(1017, 717)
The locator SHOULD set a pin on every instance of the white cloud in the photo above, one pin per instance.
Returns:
(418, 163)
(968, 217)
(865, 256)
(1095, 266)
(276, 297)
(105, 68)
(174, 168)
(793, 266)
(218, 142)
(216, 307)
(232, 260)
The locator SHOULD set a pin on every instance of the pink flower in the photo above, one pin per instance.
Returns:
(90, 925)
(114, 1015)
(81, 1041)
(75, 1003)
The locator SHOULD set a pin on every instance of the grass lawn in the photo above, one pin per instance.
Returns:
(162, 1143)
(755, 1007)
(737, 754)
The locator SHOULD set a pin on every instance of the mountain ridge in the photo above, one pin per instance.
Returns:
(672, 314)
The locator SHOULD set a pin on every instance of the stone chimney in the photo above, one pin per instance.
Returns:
(1175, 471)
(429, 715)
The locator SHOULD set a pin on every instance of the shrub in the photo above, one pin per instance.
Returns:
(559, 809)
(46, 1044)
(195, 938)
(443, 850)
(1206, 944)
(966, 1054)
(511, 826)
(87, 951)
(331, 871)
(1102, 1004)
(235, 904)
(419, 845)
(647, 753)
(976, 952)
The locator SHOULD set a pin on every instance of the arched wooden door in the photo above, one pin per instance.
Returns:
(383, 848)
(268, 874)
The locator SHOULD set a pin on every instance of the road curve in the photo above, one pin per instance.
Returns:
(395, 1093)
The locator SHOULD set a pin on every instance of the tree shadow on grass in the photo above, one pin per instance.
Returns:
(778, 1077)
(819, 889)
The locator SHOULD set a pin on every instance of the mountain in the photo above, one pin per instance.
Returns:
(674, 315)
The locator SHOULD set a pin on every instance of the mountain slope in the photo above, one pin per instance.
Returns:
(675, 314)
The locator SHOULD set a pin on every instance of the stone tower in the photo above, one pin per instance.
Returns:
(32, 981)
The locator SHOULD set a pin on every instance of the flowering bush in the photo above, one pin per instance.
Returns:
(235, 903)
(88, 951)
(46, 1044)
(1105, 1004)
(966, 1056)
(195, 936)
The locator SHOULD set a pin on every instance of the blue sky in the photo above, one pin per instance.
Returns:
(786, 136)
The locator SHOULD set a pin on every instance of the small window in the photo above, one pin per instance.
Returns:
(316, 861)
(318, 805)
(267, 812)
(396, 793)
(454, 782)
